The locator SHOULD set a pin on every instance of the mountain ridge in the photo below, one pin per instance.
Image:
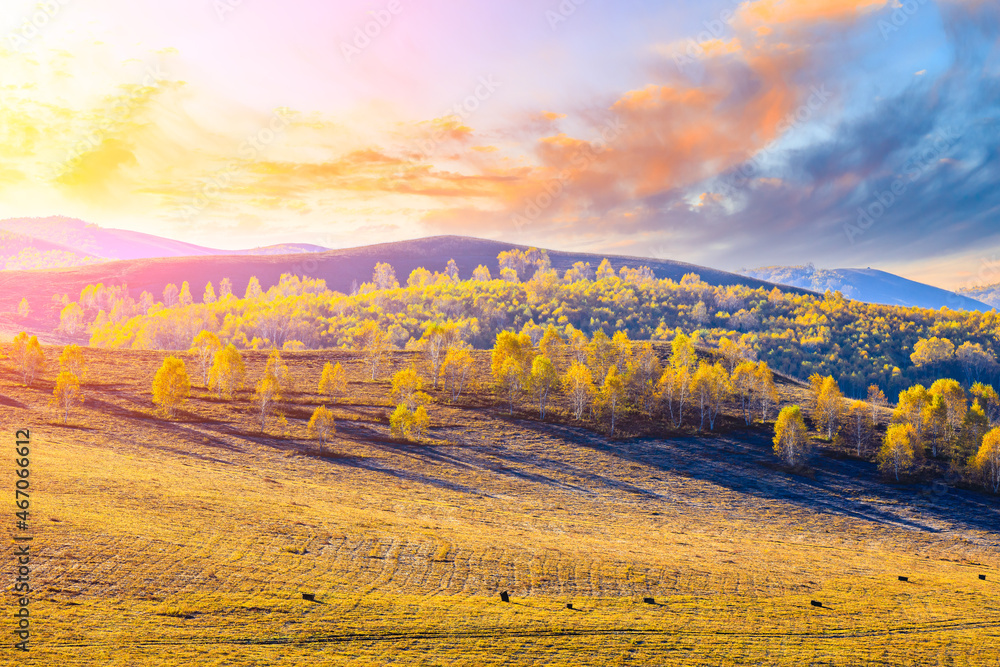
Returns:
(868, 285)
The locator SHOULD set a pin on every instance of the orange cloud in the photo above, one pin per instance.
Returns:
(774, 12)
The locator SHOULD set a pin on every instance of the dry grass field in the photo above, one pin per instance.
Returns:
(191, 541)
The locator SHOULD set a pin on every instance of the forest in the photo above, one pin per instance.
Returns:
(798, 335)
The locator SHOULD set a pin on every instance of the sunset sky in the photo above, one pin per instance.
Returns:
(848, 133)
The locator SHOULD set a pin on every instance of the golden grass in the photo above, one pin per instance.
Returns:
(191, 542)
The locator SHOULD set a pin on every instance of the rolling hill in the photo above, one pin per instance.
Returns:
(94, 243)
(868, 285)
(195, 540)
(339, 268)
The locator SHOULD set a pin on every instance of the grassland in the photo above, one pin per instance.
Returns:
(191, 541)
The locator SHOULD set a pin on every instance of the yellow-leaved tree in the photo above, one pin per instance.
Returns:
(228, 371)
(28, 357)
(171, 385)
(612, 395)
(829, 406)
(578, 383)
(266, 394)
(987, 460)
(406, 389)
(204, 347)
(456, 369)
(543, 381)
(897, 451)
(72, 360)
(67, 393)
(791, 440)
(333, 381)
(322, 426)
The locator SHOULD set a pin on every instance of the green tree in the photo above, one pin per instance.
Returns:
(974, 428)
(171, 386)
(23, 309)
(791, 441)
(988, 399)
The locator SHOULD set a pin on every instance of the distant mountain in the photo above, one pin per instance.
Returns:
(88, 243)
(18, 251)
(988, 294)
(868, 285)
(339, 268)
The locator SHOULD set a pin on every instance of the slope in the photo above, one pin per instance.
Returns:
(115, 244)
(868, 285)
(340, 268)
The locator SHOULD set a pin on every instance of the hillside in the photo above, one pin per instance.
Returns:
(192, 541)
(21, 252)
(95, 243)
(339, 268)
(869, 285)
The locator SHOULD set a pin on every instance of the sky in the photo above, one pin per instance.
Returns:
(734, 134)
